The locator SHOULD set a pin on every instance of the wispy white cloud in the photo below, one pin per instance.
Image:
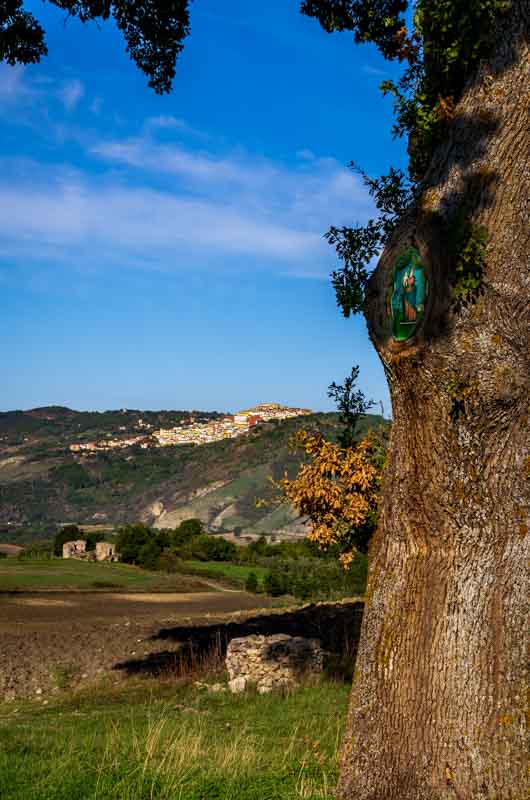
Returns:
(369, 70)
(13, 86)
(197, 167)
(71, 93)
(168, 122)
(80, 221)
(165, 204)
(39, 101)
(311, 191)
(74, 213)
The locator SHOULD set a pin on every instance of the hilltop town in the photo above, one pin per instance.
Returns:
(192, 431)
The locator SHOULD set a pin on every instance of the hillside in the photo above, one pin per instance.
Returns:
(43, 484)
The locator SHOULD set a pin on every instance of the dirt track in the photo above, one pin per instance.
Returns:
(50, 638)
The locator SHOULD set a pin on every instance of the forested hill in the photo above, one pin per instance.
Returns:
(62, 424)
(43, 484)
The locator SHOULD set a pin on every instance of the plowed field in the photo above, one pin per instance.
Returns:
(51, 640)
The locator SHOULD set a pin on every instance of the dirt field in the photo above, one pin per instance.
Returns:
(51, 640)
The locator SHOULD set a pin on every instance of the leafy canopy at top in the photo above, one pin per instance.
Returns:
(154, 31)
(441, 50)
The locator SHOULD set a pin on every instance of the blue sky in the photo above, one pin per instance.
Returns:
(167, 252)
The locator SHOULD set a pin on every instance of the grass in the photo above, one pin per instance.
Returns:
(236, 574)
(63, 674)
(32, 575)
(173, 741)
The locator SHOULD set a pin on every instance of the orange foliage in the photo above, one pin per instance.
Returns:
(444, 108)
(337, 488)
(407, 46)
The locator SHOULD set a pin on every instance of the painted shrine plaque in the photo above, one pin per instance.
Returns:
(407, 295)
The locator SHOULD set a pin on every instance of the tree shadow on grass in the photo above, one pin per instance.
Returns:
(203, 647)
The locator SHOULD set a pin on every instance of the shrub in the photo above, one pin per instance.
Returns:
(73, 475)
(93, 538)
(169, 561)
(212, 548)
(275, 583)
(251, 583)
(67, 533)
(186, 531)
(36, 551)
(149, 555)
(139, 544)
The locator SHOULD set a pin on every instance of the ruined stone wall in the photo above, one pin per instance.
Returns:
(74, 549)
(270, 662)
(106, 551)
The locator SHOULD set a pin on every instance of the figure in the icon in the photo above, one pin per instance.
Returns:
(408, 293)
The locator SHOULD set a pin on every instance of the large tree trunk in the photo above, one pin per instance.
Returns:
(437, 704)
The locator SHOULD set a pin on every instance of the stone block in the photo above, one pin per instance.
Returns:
(270, 662)
(237, 685)
(74, 549)
(106, 551)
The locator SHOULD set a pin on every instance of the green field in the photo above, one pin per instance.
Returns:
(56, 573)
(235, 574)
(173, 741)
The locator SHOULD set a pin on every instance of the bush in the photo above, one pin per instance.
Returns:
(36, 551)
(191, 527)
(93, 538)
(169, 561)
(275, 584)
(303, 587)
(138, 544)
(149, 555)
(316, 579)
(259, 547)
(210, 548)
(251, 583)
(68, 533)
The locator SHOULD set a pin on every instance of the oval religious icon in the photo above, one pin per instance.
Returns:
(407, 294)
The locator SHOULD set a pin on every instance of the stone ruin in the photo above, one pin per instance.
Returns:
(105, 551)
(270, 662)
(75, 549)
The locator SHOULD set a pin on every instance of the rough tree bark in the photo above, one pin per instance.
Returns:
(437, 702)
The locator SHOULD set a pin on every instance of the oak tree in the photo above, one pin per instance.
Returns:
(437, 706)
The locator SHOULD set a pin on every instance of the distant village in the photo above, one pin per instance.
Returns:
(193, 432)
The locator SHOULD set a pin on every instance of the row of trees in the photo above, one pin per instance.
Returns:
(301, 569)
(152, 549)
(312, 579)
